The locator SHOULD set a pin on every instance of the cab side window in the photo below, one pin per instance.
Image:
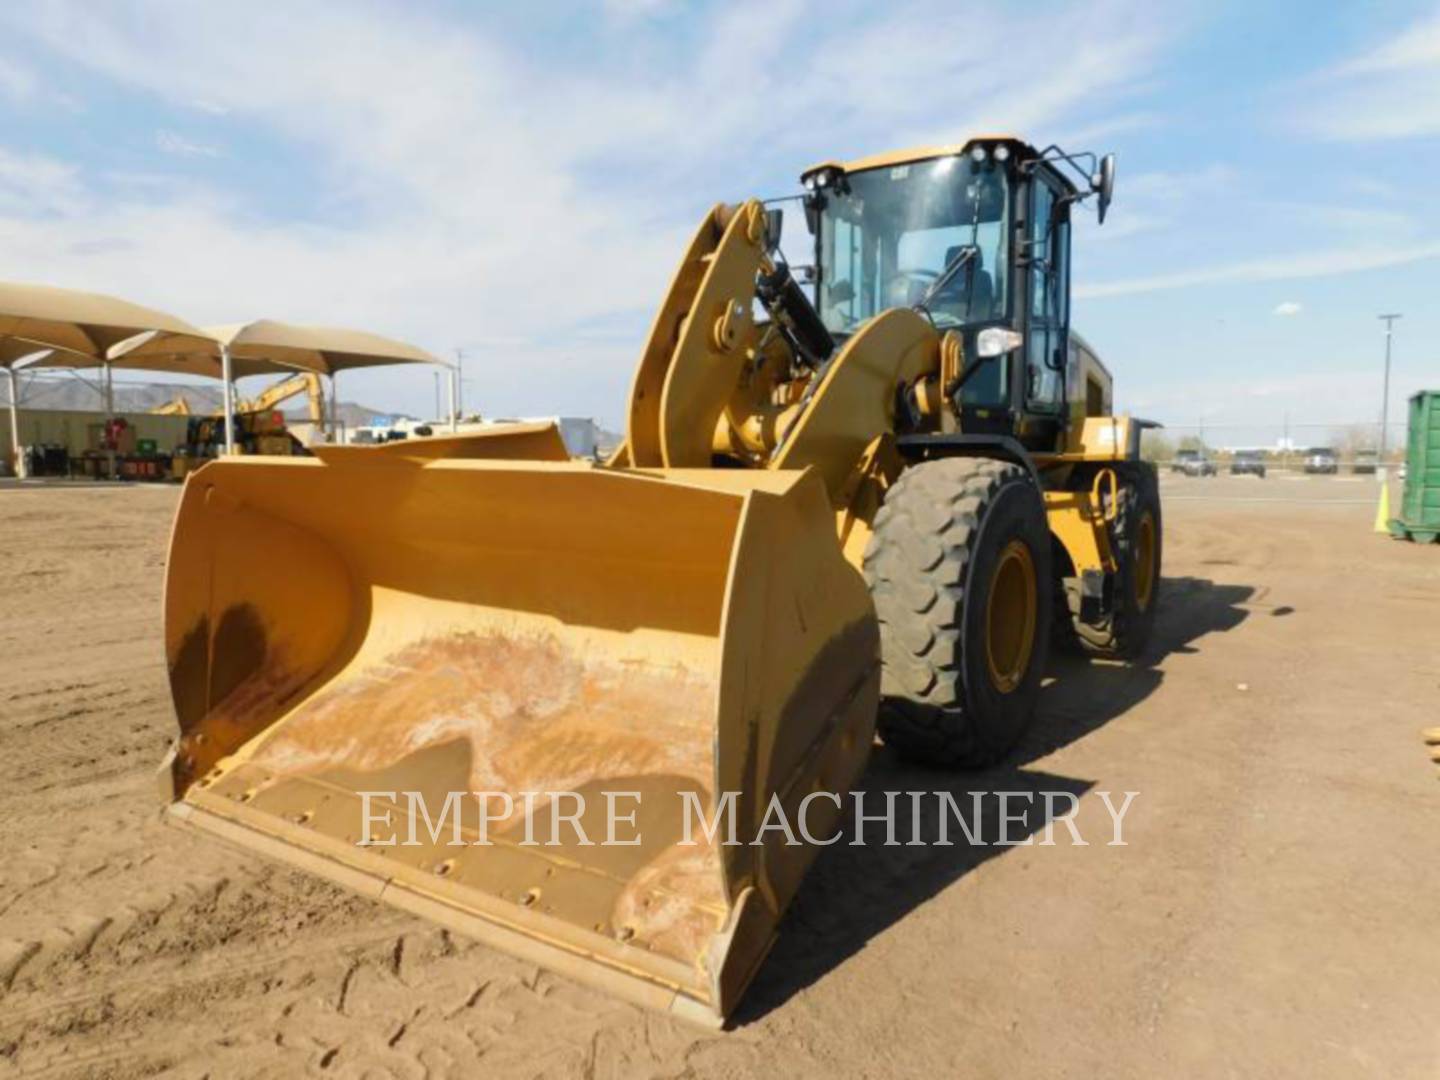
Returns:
(1048, 312)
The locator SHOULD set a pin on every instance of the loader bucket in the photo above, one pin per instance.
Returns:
(405, 674)
(524, 441)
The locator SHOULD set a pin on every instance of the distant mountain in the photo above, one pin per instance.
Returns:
(73, 394)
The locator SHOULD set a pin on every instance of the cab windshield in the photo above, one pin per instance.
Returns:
(890, 233)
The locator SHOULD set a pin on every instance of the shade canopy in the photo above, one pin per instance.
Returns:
(326, 349)
(14, 350)
(75, 326)
(227, 353)
(267, 347)
(171, 354)
(82, 322)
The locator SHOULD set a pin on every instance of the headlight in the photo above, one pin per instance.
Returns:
(1002, 152)
(977, 153)
(997, 341)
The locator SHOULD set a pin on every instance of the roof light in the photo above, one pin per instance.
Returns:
(1002, 152)
(977, 153)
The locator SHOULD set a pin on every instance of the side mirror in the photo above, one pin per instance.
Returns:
(1105, 185)
(774, 221)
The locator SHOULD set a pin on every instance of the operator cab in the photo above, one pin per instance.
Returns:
(977, 238)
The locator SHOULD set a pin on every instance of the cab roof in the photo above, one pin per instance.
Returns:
(1018, 146)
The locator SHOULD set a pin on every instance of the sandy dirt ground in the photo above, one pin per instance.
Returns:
(1273, 912)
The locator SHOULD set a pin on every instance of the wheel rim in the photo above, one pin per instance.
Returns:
(1145, 561)
(1010, 617)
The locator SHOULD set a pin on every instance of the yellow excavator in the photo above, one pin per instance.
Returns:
(445, 673)
(179, 405)
(302, 382)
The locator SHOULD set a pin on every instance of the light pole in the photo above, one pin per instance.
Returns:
(1389, 321)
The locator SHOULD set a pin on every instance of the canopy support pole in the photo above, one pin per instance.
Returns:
(334, 411)
(227, 379)
(20, 471)
(454, 400)
(109, 416)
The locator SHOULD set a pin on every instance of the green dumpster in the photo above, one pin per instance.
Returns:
(1419, 518)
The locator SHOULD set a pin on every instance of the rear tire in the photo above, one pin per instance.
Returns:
(959, 567)
(1136, 537)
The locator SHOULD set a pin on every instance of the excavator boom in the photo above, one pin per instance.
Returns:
(302, 382)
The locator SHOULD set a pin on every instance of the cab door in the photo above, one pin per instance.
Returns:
(1047, 310)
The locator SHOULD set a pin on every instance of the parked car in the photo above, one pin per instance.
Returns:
(1322, 459)
(1192, 463)
(1248, 463)
(1366, 461)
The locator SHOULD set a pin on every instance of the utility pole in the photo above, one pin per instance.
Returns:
(1389, 321)
(459, 385)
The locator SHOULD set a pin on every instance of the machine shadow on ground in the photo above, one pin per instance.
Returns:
(854, 893)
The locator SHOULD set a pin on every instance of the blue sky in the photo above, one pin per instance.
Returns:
(518, 180)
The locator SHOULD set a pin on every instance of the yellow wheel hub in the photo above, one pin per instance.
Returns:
(1145, 562)
(1010, 617)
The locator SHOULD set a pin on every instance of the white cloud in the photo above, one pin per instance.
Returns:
(1090, 136)
(172, 142)
(1338, 393)
(1362, 221)
(1417, 46)
(1275, 268)
(40, 188)
(1157, 200)
(1391, 91)
(17, 82)
(635, 9)
(1288, 308)
(483, 194)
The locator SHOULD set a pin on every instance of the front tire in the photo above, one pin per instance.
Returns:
(959, 567)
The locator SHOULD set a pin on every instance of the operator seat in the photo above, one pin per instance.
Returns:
(951, 298)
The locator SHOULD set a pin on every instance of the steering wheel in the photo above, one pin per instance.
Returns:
(925, 277)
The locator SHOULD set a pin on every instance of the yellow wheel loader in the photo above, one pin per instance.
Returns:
(570, 708)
